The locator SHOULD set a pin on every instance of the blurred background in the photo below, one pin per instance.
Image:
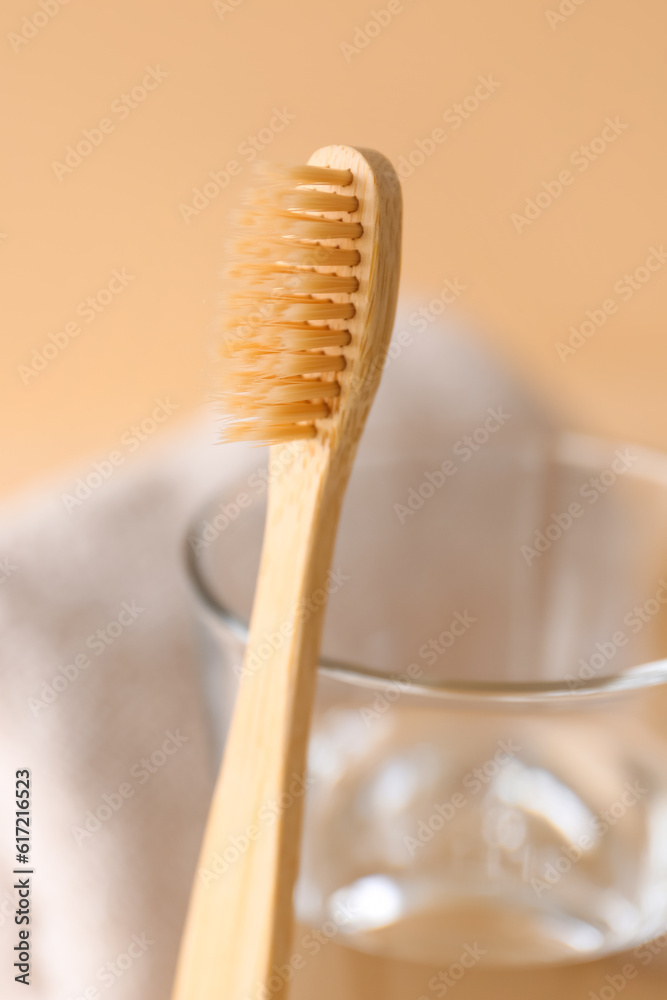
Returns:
(520, 92)
(530, 140)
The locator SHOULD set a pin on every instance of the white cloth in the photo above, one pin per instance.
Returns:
(83, 735)
(71, 573)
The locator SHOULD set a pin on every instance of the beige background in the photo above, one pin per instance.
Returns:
(226, 71)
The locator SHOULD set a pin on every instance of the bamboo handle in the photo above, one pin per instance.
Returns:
(249, 859)
(239, 925)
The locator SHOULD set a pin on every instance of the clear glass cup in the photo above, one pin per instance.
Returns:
(489, 745)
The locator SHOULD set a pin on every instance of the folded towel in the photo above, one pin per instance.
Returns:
(101, 693)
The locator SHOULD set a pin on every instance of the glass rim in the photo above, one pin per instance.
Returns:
(634, 678)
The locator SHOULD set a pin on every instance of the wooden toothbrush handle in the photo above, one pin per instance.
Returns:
(239, 925)
(238, 930)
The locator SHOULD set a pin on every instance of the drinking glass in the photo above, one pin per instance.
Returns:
(488, 757)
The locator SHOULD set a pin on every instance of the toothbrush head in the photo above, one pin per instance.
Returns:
(310, 298)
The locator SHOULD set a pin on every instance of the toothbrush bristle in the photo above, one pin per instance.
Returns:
(291, 291)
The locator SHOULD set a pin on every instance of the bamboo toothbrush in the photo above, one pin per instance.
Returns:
(306, 331)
